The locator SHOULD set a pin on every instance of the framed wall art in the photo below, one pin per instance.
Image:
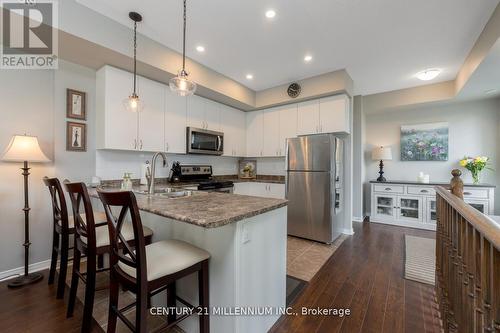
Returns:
(75, 104)
(424, 142)
(76, 136)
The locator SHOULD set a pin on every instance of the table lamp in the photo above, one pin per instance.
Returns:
(25, 148)
(381, 154)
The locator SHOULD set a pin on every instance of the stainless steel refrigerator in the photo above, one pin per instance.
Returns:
(314, 187)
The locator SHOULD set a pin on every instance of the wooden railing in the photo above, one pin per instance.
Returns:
(467, 267)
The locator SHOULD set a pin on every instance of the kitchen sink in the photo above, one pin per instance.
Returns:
(168, 192)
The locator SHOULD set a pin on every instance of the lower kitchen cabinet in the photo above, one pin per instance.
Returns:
(257, 189)
(414, 205)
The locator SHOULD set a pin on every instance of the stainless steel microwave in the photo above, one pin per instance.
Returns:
(202, 141)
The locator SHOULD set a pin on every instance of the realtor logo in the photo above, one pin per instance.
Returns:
(29, 34)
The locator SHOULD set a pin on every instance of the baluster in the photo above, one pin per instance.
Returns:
(486, 285)
(470, 278)
(479, 281)
(496, 290)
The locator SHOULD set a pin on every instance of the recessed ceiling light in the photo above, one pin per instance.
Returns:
(270, 13)
(490, 91)
(249, 76)
(428, 74)
(308, 58)
(200, 48)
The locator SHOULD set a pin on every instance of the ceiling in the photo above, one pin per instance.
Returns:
(485, 81)
(381, 43)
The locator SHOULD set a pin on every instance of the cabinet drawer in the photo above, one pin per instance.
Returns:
(475, 193)
(421, 190)
(389, 188)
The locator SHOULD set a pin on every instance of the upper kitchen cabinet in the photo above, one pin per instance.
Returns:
(116, 127)
(308, 117)
(334, 114)
(175, 122)
(324, 115)
(151, 118)
(233, 125)
(255, 133)
(203, 113)
(287, 126)
(271, 132)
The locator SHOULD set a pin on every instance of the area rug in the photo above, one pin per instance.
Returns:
(420, 259)
(305, 258)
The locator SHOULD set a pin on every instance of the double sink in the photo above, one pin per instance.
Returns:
(168, 192)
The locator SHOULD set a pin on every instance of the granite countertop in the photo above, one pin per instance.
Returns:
(205, 209)
(410, 182)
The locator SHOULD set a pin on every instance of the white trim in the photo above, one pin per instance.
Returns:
(346, 231)
(358, 219)
(38, 266)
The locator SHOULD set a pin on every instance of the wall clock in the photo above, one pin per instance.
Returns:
(293, 90)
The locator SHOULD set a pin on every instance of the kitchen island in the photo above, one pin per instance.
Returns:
(246, 238)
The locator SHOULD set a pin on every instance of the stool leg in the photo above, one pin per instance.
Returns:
(53, 260)
(114, 289)
(100, 261)
(63, 268)
(171, 302)
(203, 296)
(89, 293)
(74, 283)
(141, 309)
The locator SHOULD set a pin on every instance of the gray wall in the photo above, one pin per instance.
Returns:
(473, 130)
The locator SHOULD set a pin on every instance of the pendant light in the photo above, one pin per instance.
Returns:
(181, 83)
(133, 103)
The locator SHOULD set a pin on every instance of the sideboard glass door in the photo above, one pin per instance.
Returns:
(431, 211)
(385, 206)
(410, 208)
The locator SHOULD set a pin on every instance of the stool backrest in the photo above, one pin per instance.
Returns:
(84, 227)
(59, 207)
(125, 202)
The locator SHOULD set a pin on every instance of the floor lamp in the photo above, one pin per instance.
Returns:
(24, 148)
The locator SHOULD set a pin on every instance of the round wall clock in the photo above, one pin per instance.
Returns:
(293, 90)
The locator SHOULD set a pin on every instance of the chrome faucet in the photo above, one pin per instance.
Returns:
(151, 189)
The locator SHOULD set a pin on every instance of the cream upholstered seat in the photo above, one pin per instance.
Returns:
(168, 257)
(102, 234)
(99, 217)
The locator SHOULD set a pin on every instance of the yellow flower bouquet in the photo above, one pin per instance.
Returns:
(475, 165)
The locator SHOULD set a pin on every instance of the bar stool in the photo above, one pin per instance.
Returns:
(91, 240)
(149, 269)
(63, 227)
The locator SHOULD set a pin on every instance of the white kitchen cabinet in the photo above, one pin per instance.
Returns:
(308, 117)
(233, 125)
(203, 113)
(287, 125)
(254, 133)
(196, 112)
(258, 189)
(271, 132)
(334, 114)
(175, 122)
(116, 127)
(150, 136)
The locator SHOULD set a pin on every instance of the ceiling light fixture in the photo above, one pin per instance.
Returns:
(490, 91)
(308, 58)
(270, 14)
(249, 76)
(133, 103)
(428, 74)
(200, 48)
(181, 84)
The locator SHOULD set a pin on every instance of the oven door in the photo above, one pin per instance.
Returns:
(200, 141)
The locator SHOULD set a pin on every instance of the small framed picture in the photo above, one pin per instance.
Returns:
(75, 104)
(76, 136)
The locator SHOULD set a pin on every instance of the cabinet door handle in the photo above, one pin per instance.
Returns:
(135, 143)
(424, 191)
(166, 147)
(467, 193)
(388, 189)
(140, 144)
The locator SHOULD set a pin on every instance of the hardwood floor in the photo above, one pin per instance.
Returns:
(365, 275)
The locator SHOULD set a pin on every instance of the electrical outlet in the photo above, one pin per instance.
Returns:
(245, 238)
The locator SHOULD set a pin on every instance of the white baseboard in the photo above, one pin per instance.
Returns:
(358, 219)
(346, 231)
(38, 266)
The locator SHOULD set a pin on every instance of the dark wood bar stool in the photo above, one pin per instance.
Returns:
(149, 269)
(62, 229)
(91, 240)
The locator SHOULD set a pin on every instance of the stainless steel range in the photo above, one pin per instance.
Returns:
(201, 177)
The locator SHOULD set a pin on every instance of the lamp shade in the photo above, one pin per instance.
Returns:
(381, 153)
(24, 148)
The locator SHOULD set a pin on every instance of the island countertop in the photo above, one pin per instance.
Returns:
(205, 209)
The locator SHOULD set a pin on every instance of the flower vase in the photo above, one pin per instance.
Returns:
(476, 177)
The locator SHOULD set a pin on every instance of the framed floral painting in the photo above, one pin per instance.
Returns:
(424, 142)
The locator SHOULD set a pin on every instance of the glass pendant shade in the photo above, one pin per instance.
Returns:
(133, 103)
(181, 84)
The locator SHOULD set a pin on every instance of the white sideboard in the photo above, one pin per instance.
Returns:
(411, 204)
